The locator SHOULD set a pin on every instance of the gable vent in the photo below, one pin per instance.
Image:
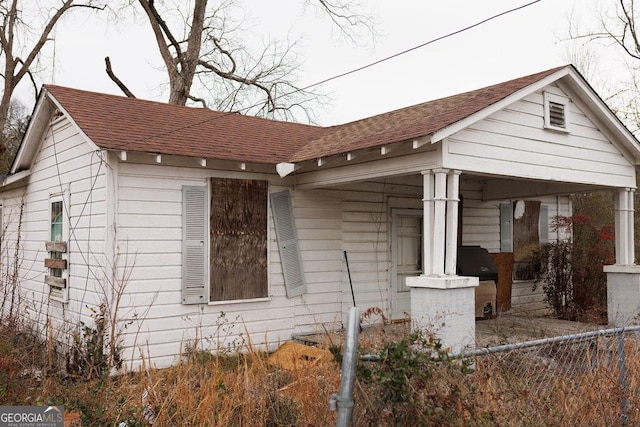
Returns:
(556, 112)
(556, 115)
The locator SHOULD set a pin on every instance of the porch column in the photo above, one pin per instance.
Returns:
(451, 247)
(623, 278)
(442, 302)
(427, 222)
(624, 227)
(439, 221)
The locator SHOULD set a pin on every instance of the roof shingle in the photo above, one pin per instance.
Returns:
(120, 123)
(130, 124)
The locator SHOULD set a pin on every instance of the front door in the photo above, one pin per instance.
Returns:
(406, 256)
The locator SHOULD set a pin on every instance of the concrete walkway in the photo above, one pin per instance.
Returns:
(504, 329)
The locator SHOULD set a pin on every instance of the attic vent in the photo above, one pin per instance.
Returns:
(556, 115)
(556, 112)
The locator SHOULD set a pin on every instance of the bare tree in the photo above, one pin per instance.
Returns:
(614, 25)
(11, 135)
(18, 58)
(206, 46)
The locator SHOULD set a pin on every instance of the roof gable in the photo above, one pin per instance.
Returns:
(414, 121)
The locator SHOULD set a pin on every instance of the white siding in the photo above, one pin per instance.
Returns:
(513, 142)
(318, 219)
(64, 162)
(149, 221)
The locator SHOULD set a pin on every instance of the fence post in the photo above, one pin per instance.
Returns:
(622, 378)
(344, 402)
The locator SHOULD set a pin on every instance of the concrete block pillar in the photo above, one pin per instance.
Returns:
(623, 278)
(623, 294)
(446, 307)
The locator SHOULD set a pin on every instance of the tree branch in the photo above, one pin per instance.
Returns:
(116, 80)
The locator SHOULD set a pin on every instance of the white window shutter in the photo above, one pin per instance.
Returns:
(506, 227)
(288, 243)
(194, 249)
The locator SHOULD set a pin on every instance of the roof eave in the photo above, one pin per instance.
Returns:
(604, 113)
(35, 129)
(441, 134)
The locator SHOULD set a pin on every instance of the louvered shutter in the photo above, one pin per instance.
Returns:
(557, 114)
(288, 244)
(194, 253)
(506, 227)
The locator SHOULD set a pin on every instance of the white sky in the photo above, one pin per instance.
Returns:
(520, 43)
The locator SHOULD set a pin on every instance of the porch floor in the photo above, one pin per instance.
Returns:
(504, 329)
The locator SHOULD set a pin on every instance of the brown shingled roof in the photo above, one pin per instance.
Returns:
(412, 122)
(116, 122)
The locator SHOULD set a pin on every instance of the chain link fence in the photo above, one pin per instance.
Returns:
(583, 379)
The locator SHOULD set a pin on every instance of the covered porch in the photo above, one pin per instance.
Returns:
(544, 136)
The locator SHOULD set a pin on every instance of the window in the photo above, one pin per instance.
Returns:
(233, 258)
(556, 112)
(56, 247)
(524, 225)
(56, 234)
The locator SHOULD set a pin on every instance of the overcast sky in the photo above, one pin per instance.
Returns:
(517, 44)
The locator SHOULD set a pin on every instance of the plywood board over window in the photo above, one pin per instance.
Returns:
(238, 266)
(526, 238)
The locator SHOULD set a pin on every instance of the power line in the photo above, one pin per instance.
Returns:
(364, 67)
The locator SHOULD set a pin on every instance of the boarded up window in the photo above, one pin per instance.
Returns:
(526, 238)
(238, 265)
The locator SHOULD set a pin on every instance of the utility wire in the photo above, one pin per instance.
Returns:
(380, 61)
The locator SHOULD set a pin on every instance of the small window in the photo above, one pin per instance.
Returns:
(56, 247)
(556, 112)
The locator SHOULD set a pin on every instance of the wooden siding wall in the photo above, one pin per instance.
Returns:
(318, 216)
(64, 161)
(513, 142)
(365, 225)
(150, 226)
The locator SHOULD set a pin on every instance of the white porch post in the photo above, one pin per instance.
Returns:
(623, 278)
(442, 302)
(451, 246)
(439, 221)
(427, 222)
(631, 251)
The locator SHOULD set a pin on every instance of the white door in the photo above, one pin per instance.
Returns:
(406, 256)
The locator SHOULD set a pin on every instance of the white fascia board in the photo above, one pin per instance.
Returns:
(10, 179)
(93, 145)
(39, 120)
(604, 113)
(486, 112)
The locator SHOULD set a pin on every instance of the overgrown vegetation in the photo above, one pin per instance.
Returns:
(414, 383)
(571, 271)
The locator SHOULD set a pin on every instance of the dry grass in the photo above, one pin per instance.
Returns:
(564, 386)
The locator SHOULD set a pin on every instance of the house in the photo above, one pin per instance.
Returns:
(176, 223)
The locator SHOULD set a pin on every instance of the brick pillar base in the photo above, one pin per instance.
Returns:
(623, 294)
(446, 307)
